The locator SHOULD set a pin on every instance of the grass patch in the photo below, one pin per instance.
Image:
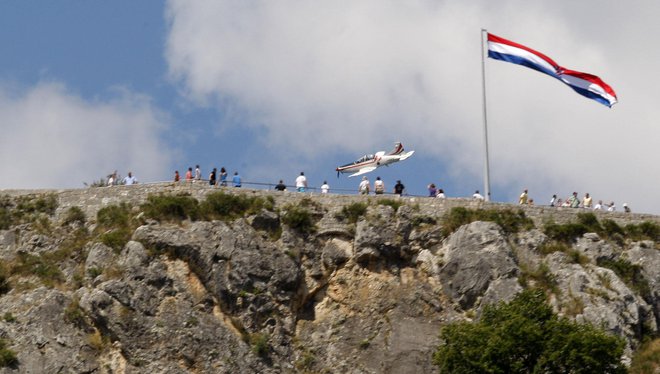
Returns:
(259, 344)
(74, 314)
(224, 206)
(395, 204)
(117, 238)
(351, 213)
(630, 274)
(7, 356)
(299, 219)
(646, 359)
(4, 282)
(25, 209)
(510, 221)
(171, 208)
(541, 277)
(28, 264)
(74, 215)
(418, 221)
(553, 246)
(644, 231)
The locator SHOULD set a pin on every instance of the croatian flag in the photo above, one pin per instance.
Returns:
(585, 84)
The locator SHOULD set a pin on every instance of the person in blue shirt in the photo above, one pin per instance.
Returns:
(223, 177)
(236, 179)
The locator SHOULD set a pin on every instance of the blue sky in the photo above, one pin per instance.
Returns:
(272, 88)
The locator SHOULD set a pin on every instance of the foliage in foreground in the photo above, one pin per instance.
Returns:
(526, 336)
(510, 221)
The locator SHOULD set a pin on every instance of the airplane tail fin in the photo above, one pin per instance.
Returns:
(398, 148)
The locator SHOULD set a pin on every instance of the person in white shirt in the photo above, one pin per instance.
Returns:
(364, 188)
(301, 182)
(612, 207)
(325, 188)
(599, 206)
(440, 194)
(477, 196)
(130, 179)
(379, 186)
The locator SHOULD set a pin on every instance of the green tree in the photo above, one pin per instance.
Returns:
(526, 336)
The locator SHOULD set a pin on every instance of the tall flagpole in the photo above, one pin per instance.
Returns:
(483, 84)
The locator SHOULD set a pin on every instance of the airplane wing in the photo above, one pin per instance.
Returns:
(364, 170)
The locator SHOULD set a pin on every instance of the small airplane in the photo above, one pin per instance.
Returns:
(369, 163)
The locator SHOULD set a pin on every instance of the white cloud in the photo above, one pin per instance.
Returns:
(61, 140)
(320, 76)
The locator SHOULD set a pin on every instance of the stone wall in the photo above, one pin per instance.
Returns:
(93, 199)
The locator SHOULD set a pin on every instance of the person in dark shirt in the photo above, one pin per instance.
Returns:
(399, 187)
(281, 186)
(212, 177)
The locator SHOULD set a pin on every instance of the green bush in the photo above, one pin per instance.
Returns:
(25, 209)
(28, 264)
(299, 219)
(351, 213)
(259, 344)
(7, 356)
(4, 282)
(510, 221)
(395, 204)
(566, 233)
(114, 216)
(74, 214)
(629, 274)
(644, 231)
(553, 246)
(46, 204)
(541, 277)
(220, 205)
(525, 336)
(171, 208)
(5, 218)
(116, 238)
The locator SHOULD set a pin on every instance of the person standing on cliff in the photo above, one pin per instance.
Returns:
(301, 182)
(364, 186)
(399, 188)
(130, 179)
(176, 176)
(212, 177)
(522, 200)
(236, 180)
(379, 186)
(477, 196)
(189, 175)
(433, 191)
(325, 187)
(280, 186)
(223, 177)
(573, 200)
(586, 201)
(198, 173)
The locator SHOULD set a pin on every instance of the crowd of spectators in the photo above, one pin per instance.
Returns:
(364, 188)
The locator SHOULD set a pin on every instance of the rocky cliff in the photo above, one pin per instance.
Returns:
(304, 283)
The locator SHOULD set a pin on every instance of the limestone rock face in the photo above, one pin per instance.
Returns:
(478, 261)
(253, 295)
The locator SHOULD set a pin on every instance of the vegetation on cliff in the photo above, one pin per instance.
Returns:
(526, 336)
